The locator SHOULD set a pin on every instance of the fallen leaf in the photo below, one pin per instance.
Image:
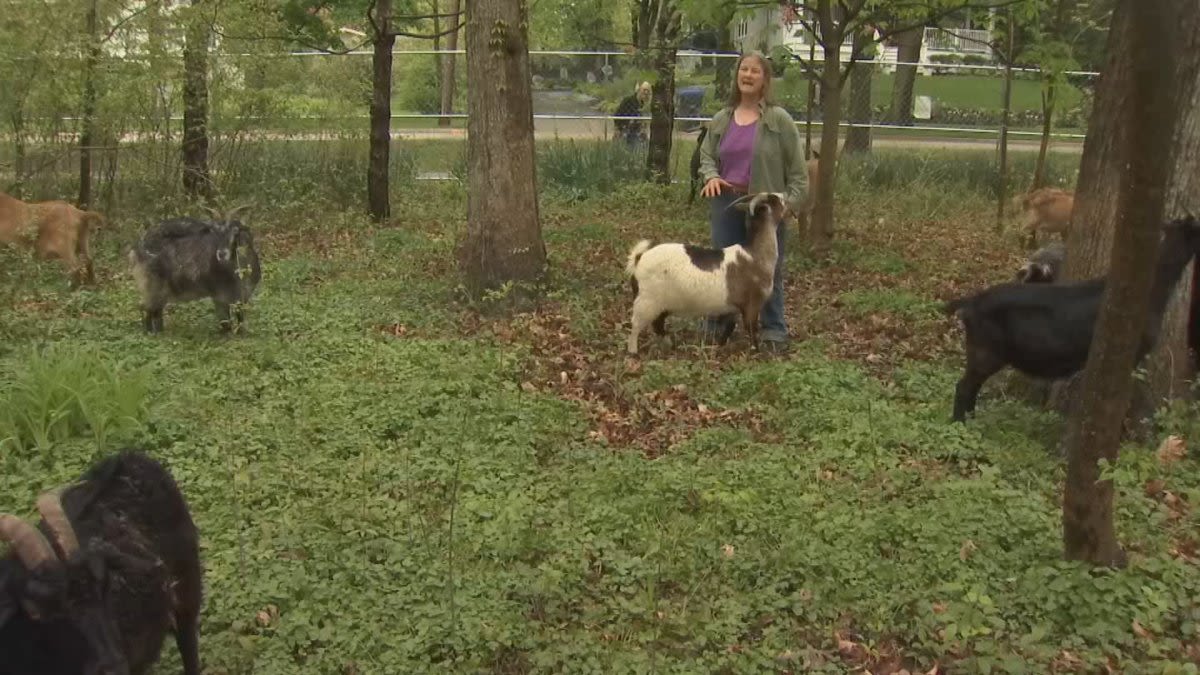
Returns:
(1154, 487)
(967, 549)
(727, 551)
(1139, 631)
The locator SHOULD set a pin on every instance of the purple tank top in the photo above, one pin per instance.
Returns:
(737, 148)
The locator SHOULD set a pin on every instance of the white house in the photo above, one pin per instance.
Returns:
(768, 28)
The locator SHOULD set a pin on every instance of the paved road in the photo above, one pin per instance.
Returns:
(573, 103)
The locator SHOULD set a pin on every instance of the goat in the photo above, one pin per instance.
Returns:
(52, 230)
(1045, 330)
(1044, 266)
(186, 259)
(1047, 210)
(694, 167)
(804, 215)
(689, 280)
(113, 566)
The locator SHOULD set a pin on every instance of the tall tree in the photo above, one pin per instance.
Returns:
(196, 180)
(87, 136)
(908, 54)
(667, 19)
(504, 235)
(1102, 167)
(858, 138)
(1148, 60)
(385, 24)
(831, 23)
(383, 40)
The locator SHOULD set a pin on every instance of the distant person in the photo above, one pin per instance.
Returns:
(632, 131)
(752, 146)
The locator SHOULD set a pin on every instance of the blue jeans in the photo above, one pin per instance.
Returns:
(728, 228)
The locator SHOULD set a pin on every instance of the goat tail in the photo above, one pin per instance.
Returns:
(635, 254)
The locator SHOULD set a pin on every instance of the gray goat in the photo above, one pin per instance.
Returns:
(185, 259)
(1044, 266)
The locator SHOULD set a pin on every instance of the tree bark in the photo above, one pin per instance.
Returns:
(504, 237)
(1172, 364)
(196, 179)
(1039, 169)
(87, 135)
(1141, 38)
(908, 51)
(724, 76)
(832, 36)
(449, 61)
(662, 100)
(858, 139)
(1002, 197)
(381, 113)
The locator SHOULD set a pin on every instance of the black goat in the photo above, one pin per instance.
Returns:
(124, 569)
(1044, 266)
(185, 259)
(694, 168)
(1045, 330)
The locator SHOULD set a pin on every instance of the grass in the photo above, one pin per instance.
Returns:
(387, 479)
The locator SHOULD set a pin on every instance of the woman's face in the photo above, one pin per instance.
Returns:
(750, 78)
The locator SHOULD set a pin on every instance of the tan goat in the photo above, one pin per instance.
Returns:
(53, 229)
(804, 214)
(1047, 210)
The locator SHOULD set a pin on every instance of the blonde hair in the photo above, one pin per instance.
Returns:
(735, 93)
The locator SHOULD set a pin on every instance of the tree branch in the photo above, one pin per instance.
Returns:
(117, 26)
(427, 36)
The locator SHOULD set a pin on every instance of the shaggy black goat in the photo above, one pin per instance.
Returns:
(694, 167)
(1044, 266)
(114, 566)
(1045, 330)
(185, 259)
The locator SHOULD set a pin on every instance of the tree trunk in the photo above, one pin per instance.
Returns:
(724, 78)
(87, 135)
(1172, 364)
(662, 100)
(381, 113)
(449, 62)
(908, 51)
(858, 139)
(504, 236)
(1039, 169)
(642, 14)
(821, 228)
(1002, 191)
(1141, 41)
(196, 180)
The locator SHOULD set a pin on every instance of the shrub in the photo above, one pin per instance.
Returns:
(66, 391)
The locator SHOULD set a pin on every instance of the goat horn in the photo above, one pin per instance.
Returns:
(212, 212)
(739, 200)
(234, 211)
(49, 505)
(30, 546)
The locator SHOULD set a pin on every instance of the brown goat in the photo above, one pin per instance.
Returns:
(1046, 210)
(53, 229)
(804, 214)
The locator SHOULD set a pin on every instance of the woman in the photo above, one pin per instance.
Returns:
(752, 146)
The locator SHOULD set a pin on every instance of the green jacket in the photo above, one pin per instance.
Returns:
(778, 164)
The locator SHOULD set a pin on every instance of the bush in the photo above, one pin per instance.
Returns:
(67, 391)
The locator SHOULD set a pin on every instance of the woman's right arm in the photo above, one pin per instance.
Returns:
(713, 182)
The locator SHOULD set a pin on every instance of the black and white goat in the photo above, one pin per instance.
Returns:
(113, 567)
(689, 280)
(1045, 330)
(186, 259)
